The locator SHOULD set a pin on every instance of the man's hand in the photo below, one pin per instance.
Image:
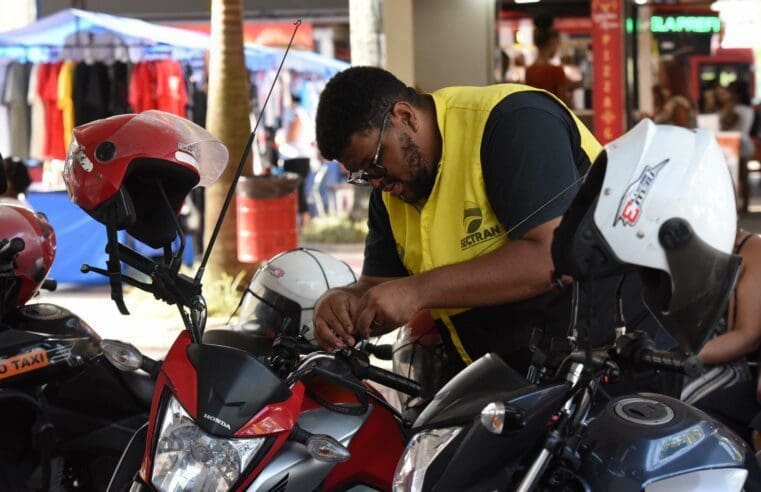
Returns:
(333, 327)
(387, 306)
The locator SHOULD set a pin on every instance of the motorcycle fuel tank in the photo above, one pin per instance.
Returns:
(39, 340)
(641, 441)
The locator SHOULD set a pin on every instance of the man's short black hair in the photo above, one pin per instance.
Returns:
(356, 100)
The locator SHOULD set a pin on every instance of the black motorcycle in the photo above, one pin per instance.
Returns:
(67, 412)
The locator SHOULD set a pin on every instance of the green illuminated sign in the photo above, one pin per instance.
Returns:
(684, 23)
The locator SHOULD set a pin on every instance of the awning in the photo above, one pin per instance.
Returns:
(75, 29)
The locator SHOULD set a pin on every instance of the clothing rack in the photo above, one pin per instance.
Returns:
(149, 51)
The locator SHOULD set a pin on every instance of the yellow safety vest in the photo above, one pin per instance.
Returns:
(457, 222)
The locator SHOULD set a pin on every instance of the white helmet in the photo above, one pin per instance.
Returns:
(283, 292)
(660, 200)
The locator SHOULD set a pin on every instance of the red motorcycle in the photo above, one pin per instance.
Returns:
(231, 411)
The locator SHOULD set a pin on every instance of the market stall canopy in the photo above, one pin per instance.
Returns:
(298, 60)
(71, 28)
(85, 33)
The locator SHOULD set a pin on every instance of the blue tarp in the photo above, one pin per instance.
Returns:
(143, 40)
(266, 58)
(79, 238)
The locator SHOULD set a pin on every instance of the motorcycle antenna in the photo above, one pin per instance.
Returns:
(246, 151)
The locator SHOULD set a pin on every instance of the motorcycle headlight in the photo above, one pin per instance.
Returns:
(187, 458)
(423, 448)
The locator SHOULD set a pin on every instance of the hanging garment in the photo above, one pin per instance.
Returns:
(37, 115)
(91, 92)
(142, 87)
(118, 89)
(14, 98)
(171, 94)
(65, 99)
(47, 79)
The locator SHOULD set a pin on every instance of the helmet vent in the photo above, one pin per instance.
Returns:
(105, 151)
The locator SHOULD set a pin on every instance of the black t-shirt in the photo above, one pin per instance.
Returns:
(530, 153)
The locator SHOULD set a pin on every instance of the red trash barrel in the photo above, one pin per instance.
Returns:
(266, 209)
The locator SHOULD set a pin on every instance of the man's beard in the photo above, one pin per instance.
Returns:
(423, 178)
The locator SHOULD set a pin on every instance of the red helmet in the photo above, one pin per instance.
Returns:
(34, 262)
(116, 169)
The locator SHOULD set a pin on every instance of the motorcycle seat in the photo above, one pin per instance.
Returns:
(256, 345)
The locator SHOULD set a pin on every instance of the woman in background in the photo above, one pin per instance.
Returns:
(543, 74)
(727, 388)
(678, 108)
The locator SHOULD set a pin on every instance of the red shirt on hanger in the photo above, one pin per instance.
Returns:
(47, 87)
(171, 93)
(142, 87)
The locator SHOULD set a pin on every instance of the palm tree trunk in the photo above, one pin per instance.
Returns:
(227, 119)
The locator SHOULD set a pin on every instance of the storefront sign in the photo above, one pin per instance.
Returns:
(607, 48)
(685, 23)
(264, 33)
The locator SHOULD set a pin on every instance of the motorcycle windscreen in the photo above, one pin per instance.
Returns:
(464, 396)
(233, 386)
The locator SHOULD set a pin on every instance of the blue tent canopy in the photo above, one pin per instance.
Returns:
(141, 40)
(258, 57)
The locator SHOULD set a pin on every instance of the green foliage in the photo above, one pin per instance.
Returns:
(223, 295)
(334, 230)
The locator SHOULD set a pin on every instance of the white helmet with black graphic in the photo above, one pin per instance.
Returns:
(658, 200)
(281, 296)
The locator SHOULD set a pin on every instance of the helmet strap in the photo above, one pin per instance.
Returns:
(115, 270)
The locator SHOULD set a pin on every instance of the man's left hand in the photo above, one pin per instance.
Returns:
(388, 306)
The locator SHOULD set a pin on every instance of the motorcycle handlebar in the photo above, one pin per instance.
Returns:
(393, 381)
(49, 284)
(383, 352)
(11, 248)
(660, 359)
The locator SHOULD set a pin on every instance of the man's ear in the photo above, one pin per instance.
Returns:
(407, 115)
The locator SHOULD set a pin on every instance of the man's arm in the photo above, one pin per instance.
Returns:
(336, 309)
(518, 270)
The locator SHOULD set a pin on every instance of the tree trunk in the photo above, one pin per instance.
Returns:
(227, 119)
(366, 33)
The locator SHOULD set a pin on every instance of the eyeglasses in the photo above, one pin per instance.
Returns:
(374, 170)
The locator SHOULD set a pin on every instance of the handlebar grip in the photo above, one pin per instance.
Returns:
(49, 284)
(670, 361)
(11, 248)
(394, 381)
(383, 352)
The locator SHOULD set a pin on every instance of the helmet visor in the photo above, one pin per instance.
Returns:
(258, 317)
(189, 142)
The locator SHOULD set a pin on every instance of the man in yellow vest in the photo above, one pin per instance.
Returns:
(469, 184)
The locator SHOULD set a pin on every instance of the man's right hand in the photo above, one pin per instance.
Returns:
(333, 328)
